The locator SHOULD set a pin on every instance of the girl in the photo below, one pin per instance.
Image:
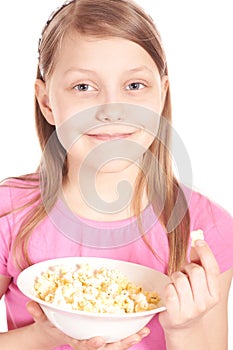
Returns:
(103, 116)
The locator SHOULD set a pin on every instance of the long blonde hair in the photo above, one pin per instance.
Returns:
(124, 19)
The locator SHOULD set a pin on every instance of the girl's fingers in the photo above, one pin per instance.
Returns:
(124, 344)
(144, 332)
(91, 344)
(198, 284)
(36, 312)
(129, 341)
(98, 343)
(171, 299)
(209, 264)
(183, 290)
(192, 292)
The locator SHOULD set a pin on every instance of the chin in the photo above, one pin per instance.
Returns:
(115, 166)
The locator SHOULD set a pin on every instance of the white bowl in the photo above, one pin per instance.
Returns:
(85, 325)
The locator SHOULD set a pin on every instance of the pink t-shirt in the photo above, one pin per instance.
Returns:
(63, 234)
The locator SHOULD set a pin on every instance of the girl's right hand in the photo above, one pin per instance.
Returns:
(53, 337)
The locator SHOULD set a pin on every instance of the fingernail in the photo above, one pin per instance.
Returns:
(199, 243)
(144, 333)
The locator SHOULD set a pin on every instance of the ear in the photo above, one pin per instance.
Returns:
(164, 89)
(43, 101)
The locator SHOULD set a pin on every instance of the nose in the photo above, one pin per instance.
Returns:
(110, 113)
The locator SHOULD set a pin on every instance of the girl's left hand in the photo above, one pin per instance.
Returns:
(193, 292)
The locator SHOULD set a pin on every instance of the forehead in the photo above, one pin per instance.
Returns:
(76, 49)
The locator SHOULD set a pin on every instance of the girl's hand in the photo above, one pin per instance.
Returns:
(52, 337)
(193, 292)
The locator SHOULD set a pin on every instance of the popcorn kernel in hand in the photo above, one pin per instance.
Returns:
(195, 235)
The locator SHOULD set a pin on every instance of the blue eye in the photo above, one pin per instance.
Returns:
(135, 86)
(84, 87)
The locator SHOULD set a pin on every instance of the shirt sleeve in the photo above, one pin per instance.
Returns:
(217, 225)
(5, 230)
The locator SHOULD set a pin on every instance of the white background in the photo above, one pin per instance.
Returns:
(197, 37)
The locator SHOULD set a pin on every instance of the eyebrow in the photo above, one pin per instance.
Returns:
(140, 68)
(132, 70)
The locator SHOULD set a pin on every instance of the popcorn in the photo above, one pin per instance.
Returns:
(195, 235)
(86, 288)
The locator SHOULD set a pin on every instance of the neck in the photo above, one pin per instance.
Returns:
(103, 196)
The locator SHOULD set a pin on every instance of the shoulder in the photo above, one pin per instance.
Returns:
(216, 223)
(205, 211)
(17, 192)
(17, 196)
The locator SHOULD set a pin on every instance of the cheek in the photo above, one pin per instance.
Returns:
(152, 100)
(146, 140)
(62, 113)
(62, 107)
(156, 103)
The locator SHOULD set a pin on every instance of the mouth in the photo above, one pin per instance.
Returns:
(109, 137)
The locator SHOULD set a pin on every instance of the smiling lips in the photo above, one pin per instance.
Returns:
(108, 137)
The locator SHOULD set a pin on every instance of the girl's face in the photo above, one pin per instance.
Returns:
(106, 74)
